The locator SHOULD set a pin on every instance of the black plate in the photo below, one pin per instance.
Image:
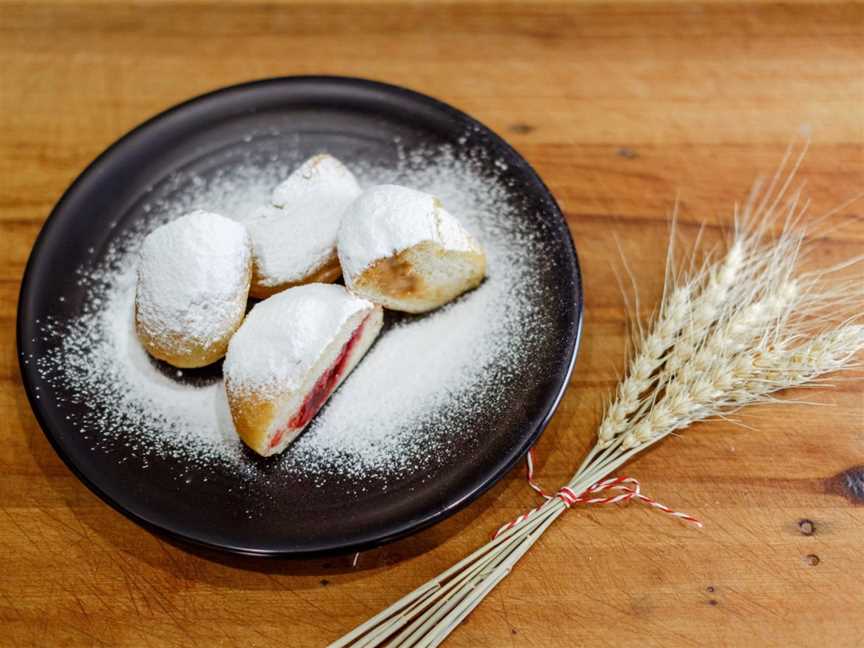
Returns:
(350, 116)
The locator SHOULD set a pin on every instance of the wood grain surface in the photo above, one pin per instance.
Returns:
(621, 107)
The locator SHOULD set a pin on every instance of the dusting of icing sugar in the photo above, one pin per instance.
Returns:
(297, 235)
(283, 336)
(423, 384)
(193, 280)
(136, 400)
(387, 219)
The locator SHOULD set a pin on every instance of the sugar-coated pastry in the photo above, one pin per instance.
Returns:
(399, 247)
(294, 240)
(193, 283)
(292, 351)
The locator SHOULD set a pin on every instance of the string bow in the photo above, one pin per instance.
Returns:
(624, 489)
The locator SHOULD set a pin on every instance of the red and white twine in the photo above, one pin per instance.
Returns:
(625, 489)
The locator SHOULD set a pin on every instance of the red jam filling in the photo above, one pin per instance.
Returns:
(322, 389)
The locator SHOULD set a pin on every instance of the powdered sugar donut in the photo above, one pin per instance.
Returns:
(193, 283)
(399, 247)
(292, 351)
(294, 241)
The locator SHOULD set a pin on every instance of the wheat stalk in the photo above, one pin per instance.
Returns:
(728, 333)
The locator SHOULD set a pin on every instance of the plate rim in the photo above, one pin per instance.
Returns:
(529, 440)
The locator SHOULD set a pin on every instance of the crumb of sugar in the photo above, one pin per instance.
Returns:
(423, 382)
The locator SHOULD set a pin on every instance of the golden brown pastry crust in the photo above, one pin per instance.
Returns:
(395, 283)
(394, 276)
(192, 357)
(252, 417)
(329, 272)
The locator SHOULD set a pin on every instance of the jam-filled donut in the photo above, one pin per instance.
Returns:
(399, 247)
(193, 283)
(292, 351)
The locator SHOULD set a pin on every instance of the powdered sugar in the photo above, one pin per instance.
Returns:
(193, 281)
(388, 219)
(283, 336)
(422, 385)
(135, 399)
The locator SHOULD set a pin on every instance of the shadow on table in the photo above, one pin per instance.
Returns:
(184, 560)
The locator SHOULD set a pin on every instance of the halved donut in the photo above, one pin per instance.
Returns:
(293, 350)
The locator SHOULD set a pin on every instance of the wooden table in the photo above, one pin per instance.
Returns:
(620, 108)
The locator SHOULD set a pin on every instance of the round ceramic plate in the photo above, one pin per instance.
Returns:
(295, 516)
